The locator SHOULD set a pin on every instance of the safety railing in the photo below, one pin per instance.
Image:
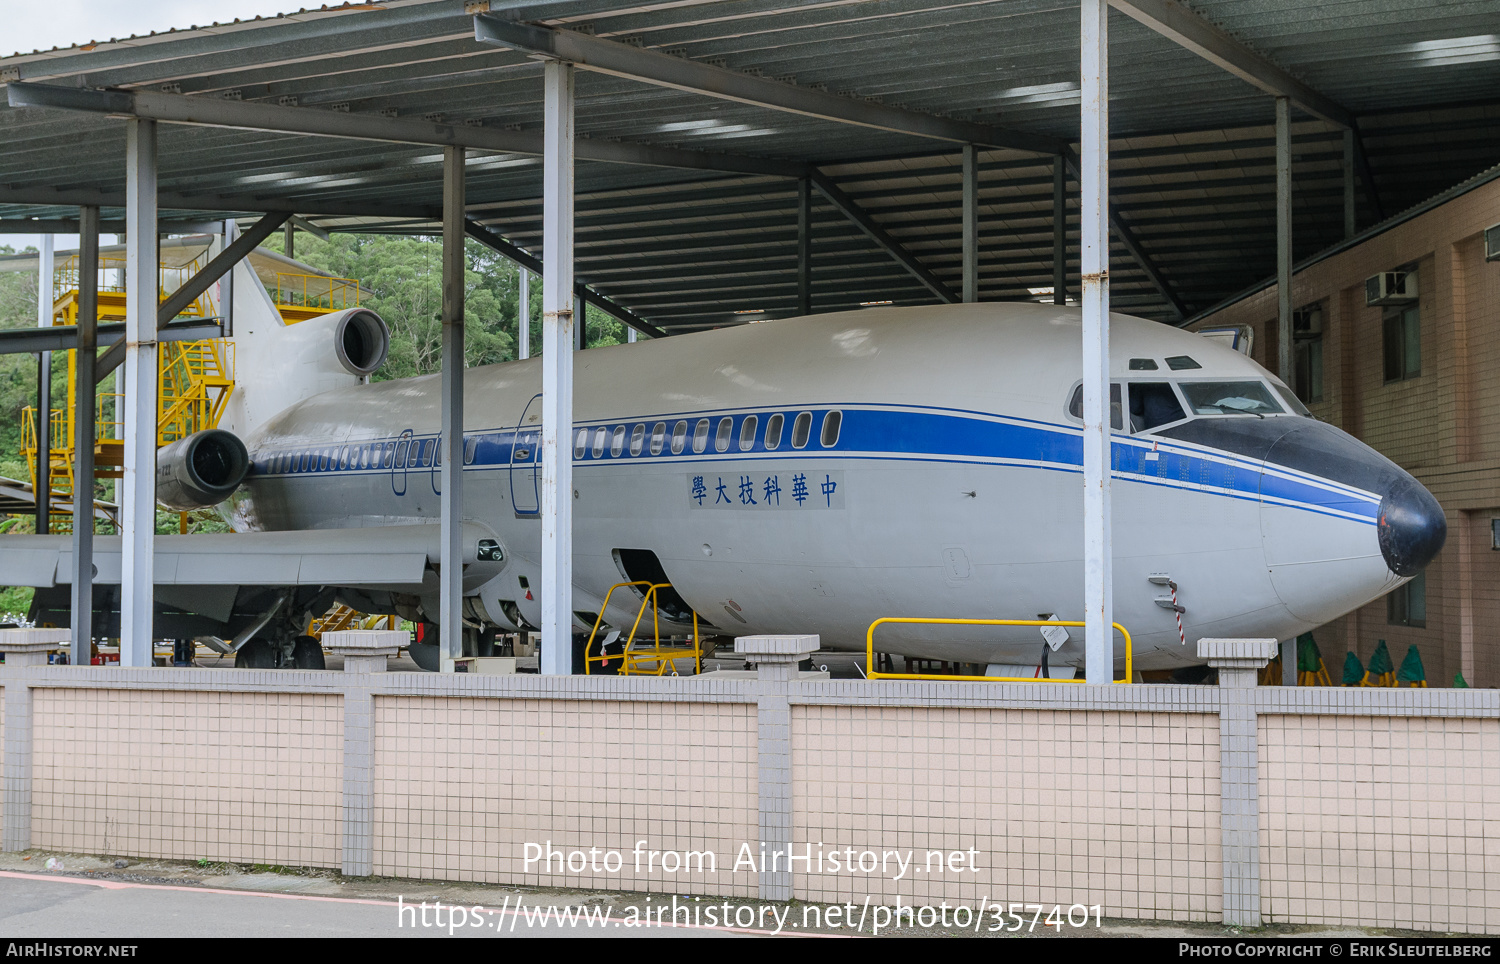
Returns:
(872, 673)
(632, 660)
(316, 291)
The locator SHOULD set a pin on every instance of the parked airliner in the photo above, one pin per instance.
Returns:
(810, 475)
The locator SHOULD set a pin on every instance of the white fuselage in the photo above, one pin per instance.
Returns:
(953, 488)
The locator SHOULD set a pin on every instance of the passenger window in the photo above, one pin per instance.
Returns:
(617, 443)
(658, 437)
(1116, 417)
(1153, 404)
(429, 449)
(700, 435)
(747, 432)
(580, 444)
(344, 457)
(600, 435)
(323, 460)
(679, 437)
(637, 439)
(801, 430)
(721, 438)
(773, 431)
(471, 446)
(390, 455)
(831, 423)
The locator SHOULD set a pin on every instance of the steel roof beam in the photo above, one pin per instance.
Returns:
(1177, 23)
(664, 70)
(533, 264)
(881, 237)
(243, 115)
(1127, 237)
(1187, 29)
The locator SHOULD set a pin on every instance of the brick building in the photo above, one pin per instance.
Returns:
(1420, 382)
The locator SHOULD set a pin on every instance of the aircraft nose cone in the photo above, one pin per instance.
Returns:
(1411, 527)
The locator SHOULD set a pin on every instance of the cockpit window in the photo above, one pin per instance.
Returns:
(1292, 401)
(1181, 363)
(1153, 404)
(1143, 364)
(1116, 418)
(1230, 398)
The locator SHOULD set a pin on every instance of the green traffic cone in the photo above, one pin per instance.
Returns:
(1458, 682)
(1380, 660)
(1354, 670)
(1411, 668)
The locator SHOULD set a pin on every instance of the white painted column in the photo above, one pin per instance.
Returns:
(630, 335)
(84, 418)
(451, 444)
(1093, 212)
(138, 499)
(557, 371)
(523, 316)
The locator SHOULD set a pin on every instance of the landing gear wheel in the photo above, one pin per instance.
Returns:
(256, 654)
(307, 653)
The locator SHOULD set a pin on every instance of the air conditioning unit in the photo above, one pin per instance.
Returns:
(1307, 322)
(1492, 243)
(1391, 288)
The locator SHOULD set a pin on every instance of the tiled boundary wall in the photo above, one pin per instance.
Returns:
(1373, 807)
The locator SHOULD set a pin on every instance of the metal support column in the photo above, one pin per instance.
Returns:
(971, 224)
(83, 437)
(1350, 220)
(138, 499)
(226, 284)
(1059, 231)
(451, 445)
(804, 246)
(557, 370)
(523, 315)
(1284, 238)
(43, 491)
(289, 240)
(1093, 222)
(581, 322)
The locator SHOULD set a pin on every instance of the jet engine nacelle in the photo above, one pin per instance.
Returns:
(201, 470)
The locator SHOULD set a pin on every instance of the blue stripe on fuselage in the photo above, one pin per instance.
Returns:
(906, 434)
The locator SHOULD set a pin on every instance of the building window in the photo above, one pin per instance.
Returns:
(1307, 353)
(1495, 533)
(1403, 343)
(1407, 605)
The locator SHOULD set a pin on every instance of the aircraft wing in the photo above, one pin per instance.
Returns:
(386, 557)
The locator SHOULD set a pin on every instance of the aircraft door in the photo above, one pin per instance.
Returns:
(525, 461)
(404, 445)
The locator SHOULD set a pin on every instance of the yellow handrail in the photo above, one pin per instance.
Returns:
(871, 673)
(657, 655)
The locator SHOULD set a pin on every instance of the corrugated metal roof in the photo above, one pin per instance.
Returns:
(1192, 156)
